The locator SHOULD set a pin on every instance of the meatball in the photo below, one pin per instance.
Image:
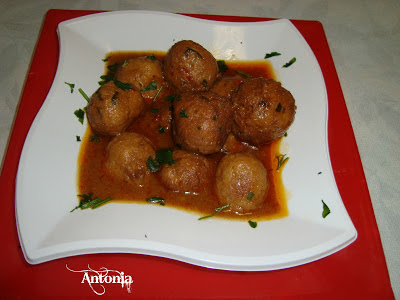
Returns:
(189, 67)
(188, 174)
(226, 86)
(202, 122)
(111, 110)
(263, 111)
(241, 182)
(127, 155)
(144, 73)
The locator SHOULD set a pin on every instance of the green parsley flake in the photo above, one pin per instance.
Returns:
(291, 62)
(217, 210)
(272, 54)
(151, 87)
(80, 114)
(250, 196)
(326, 211)
(87, 201)
(252, 224)
(84, 95)
(183, 114)
(71, 86)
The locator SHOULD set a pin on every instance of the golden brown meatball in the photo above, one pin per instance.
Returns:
(111, 110)
(127, 155)
(189, 67)
(201, 122)
(241, 182)
(144, 73)
(263, 111)
(188, 174)
(227, 86)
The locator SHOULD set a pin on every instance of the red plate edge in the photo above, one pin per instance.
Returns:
(359, 270)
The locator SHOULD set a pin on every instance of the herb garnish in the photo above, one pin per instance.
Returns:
(162, 129)
(281, 160)
(291, 62)
(78, 138)
(94, 138)
(106, 59)
(84, 95)
(326, 211)
(152, 57)
(152, 165)
(71, 86)
(151, 87)
(183, 114)
(217, 210)
(222, 67)
(125, 63)
(243, 73)
(163, 157)
(250, 196)
(154, 110)
(87, 201)
(170, 98)
(158, 200)
(272, 54)
(80, 114)
(113, 67)
(159, 91)
(252, 224)
(123, 86)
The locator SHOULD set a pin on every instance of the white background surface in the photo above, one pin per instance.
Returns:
(364, 38)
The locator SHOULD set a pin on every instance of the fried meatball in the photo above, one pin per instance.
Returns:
(144, 73)
(188, 174)
(227, 86)
(202, 122)
(263, 111)
(127, 155)
(241, 182)
(111, 110)
(190, 67)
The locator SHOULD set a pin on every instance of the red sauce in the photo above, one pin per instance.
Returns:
(93, 179)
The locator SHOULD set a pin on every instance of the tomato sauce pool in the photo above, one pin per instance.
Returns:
(92, 177)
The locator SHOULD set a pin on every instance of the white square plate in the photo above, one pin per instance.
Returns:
(46, 186)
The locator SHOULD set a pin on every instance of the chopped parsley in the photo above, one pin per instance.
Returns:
(71, 86)
(87, 201)
(183, 114)
(151, 87)
(80, 114)
(243, 73)
(281, 160)
(84, 95)
(164, 156)
(250, 196)
(252, 224)
(123, 86)
(152, 57)
(152, 164)
(158, 200)
(113, 67)
(326, 211)
(222, 66)
(159, 91)
(272, 54)
(162, 129)
(106, 59)
(154, 110)
(125, 63)
(170, 98)
(78, 138)
(94, 138)
(291, 62)
(217, 210)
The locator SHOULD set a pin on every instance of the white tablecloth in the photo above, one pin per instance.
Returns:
(364, 37)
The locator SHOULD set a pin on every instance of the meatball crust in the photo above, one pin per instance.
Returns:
(144, 73)
(226, 86)
(202, 122)
(188, 174)
(190, 67)
(127, 155)
(111, 110)
(241, 182)
(263, 111)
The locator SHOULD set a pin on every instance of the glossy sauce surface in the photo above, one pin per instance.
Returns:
(154, 124)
